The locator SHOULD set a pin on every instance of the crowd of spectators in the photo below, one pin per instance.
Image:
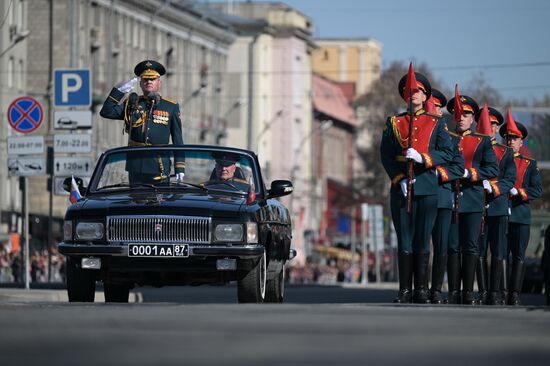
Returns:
(331, 271)
(40, 270)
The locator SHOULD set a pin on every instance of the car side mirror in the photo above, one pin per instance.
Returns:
(79, 183)
(280, 188)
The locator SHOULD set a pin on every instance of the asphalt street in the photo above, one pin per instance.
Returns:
(316, 326)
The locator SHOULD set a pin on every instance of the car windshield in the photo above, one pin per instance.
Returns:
(150, 168)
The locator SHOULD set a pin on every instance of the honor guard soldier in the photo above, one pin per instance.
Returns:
(527, 187)
(150, 120)
(414, 145)
(448, 174)
(497, 212)
(480, 163)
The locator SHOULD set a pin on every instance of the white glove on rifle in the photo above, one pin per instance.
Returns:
(466, 174)
(414, 155)
(127, 86)
(403, 183)
(487, 186)
(514, 191)
(179, 177)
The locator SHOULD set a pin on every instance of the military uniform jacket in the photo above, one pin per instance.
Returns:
(449, 173)
(148, 130)
(498, 199)
(529, 187)
(481, 162)
(429, 138)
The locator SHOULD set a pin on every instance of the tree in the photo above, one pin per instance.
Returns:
(479, 89)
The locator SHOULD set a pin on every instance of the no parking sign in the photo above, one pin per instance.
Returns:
(25, 114)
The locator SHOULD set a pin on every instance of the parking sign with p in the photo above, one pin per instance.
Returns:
(72, 88)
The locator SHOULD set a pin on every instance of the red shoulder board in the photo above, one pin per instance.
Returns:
(499, 150)
(423, 129)
(521, 165)
(468, 145)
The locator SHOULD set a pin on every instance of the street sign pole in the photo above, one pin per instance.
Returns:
(49, 169)
(26, 215)
(364, 218)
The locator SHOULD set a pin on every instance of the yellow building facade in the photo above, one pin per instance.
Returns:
(349, 60)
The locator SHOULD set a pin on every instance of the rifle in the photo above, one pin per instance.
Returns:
(456, 203)
(410, 168)
(483, 213)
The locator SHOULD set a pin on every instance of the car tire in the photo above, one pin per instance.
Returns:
(251, 289)
(80, 282)
(275, 288)
(116, 292)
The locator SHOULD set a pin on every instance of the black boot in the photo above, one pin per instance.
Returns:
(438, 272)
(420, 270)
(515, 283)
(495, 297)
(469, 263)
(482, 280)
(504, 281)
(405, 265)
(453, 271)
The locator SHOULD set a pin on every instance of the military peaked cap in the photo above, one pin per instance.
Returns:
(503, 131)
(468, 105)
(149, 69)
(423, 84)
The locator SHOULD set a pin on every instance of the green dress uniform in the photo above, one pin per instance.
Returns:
(496, 224)
(481, 163)
(528, 187)
(448, 175)
(528, 184)
(149, 125)
(431, 140)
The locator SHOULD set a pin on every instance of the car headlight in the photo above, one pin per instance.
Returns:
(228, 232)
(89, 231)
(251, 233)
(68, 230)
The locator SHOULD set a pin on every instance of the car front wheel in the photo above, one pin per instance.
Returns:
(275, 291)
(251, 289)
(80, 282)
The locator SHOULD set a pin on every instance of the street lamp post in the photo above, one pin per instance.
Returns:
(18, 38)
(326, 124)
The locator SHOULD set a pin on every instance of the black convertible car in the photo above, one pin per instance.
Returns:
(139, 222)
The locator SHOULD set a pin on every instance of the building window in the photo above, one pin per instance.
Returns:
(10, 72)
(325, 55)
(20, 76)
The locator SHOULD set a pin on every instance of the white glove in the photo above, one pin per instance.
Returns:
(514, 191)
(466, 173)
(487, 186)
(414, 155)
(436, 172)
(179, 177)
(403, 184)
(127, 86)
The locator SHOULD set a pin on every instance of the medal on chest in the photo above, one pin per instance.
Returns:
(160, 117)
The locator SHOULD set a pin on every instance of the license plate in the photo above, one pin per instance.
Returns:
(158, 250)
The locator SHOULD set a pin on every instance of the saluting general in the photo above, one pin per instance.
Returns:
(527, 187)
(480, 164)
(413, 144)
(149, 119)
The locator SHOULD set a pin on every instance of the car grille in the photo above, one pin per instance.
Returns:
(156, 229)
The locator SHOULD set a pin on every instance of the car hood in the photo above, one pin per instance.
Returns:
(163, 203)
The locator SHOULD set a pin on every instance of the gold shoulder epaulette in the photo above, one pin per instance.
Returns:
(169, 100)
(432, 115)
